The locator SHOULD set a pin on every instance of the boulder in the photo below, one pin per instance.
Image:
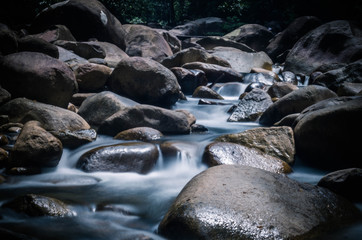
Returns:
(295, 102)
(344, 182)
(35, 147)
(225, 153)
(230, 89)
(349, 89)
(326, 133)
(8, 40)
(78, 15)
(251, 106)
(262, 78)
(333, 42)
(53, 119)
(189, 80)
(199, 27)
(145, 81)
(272, 141)
(35, 44)
(37, 205)
(253, 35)
(144, 134)
(92, 77)
(79, 98)
(174, 43)
(333, 79)
(242, 61)
(210, 43)
(164, 120)
(206, 92)
(85, 50)
(231, 202)
(136, 157)
(97, 108)
(39, 77)
(286, 39)
(215, 73)
(280, 89)
(113, 53)
(71, 59)
(143, 41)
(5, 96)
(190, 55)
(56, 32)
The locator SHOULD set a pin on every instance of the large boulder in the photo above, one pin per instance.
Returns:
(210, 43)
(242, 61)
(37, 205)
(274, 141)
(56, 32)
(344, 182)
(125, 157)
(113, 53)
(221, 153)
(145, 81)
(286, 39)
(78, 16)
(326, 133)
(280, 89)
(145, 134)
(199, 27)
(251, 106)
(143, 41)
(215, 73)
(35, 44)
(253, 35)
(193, 55)
(59, 121)
(189, 80)
(334, 79)
(164, 120)
(85, 50)
(39, 77)
(35, 147)
(295, 102)
(206, 92)
(240, 202)
(174, 43)
(333, 42)
(97, 108)
(92, 77)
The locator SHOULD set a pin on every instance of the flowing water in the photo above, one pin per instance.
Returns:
(128, 205)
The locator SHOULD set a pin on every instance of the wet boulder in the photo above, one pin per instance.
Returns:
(226, 153)
(53, 119)
(97, 108)
(210, 43)
(295, 102)
(231, 202)
(164, 120)
(206, 92)
(344, 182)
(253, 35)
(8, 40)
(35, 44)
(37, 205)
(78, 15)
(189, 80)
(199, 27)
(39, 77)
(35, 147)
(145, 81)
(190, 55)
(251, 106)
(136, 157)
(286, 39)
(92, 77)
(145, 134)
(274, 141)
(326, 133)
(242, 61)
(280, 89)
(333, 42)
(143, 41)
(215, 73)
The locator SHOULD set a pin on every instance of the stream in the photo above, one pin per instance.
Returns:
(130, 205)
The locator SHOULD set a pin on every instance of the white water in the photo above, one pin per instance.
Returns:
(138, 201)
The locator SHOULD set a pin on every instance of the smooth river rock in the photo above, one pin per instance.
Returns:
(240, 202)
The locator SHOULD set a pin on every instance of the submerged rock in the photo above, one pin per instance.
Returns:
(37, 205)
(39, 77)
(125, 157)
(221, 153)
(35, 147)
(295, 102)
(251, 106)
(239, 202)
(274, 141)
